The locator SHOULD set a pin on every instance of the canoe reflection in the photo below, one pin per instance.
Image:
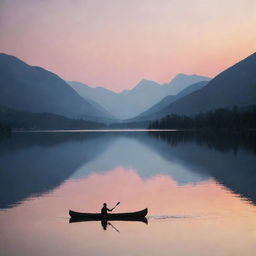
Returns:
(105, 222)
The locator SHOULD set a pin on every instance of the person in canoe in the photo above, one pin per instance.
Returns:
(105, 210)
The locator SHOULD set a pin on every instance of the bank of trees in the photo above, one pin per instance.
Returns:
(15, 119)
(234, 118)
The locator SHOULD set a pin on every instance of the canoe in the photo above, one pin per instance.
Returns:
(134, 219)
(109, 216)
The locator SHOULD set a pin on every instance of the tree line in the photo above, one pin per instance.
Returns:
(234, 118)
(15, 119)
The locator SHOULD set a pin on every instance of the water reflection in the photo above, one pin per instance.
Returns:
(105, 223)
(223, 141)
(32, 164)
(213, 217)
(178, 177)
(228, 158)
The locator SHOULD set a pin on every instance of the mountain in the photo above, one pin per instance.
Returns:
(182, 81)
(125, 104)
(170, 99)
(99, 108)
(34, 89)
(130, 103)
(236, 86)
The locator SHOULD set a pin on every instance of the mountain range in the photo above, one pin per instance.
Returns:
(34, 89)
(26, 88)
(236, 86)
(130, 103)
(170, 99)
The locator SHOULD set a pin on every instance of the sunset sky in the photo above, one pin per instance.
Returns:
(116, 43)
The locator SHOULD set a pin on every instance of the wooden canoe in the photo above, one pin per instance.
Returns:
(109, 216)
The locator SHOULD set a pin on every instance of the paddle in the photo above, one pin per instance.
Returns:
(115, 205)
(113, 227)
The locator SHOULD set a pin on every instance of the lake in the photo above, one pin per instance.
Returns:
(199, 188)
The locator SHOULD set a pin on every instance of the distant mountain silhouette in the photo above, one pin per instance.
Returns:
(99, 108)
(35, 89)
(144, 95)
(182, 81)
(170, 99)
(125, 104)
(234, 86)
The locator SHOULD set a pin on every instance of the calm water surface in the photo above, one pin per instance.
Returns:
(200, 190)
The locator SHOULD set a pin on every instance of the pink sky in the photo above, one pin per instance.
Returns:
(116, 43)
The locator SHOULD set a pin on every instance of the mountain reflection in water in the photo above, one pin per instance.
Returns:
(229, 158)
(33, 164)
